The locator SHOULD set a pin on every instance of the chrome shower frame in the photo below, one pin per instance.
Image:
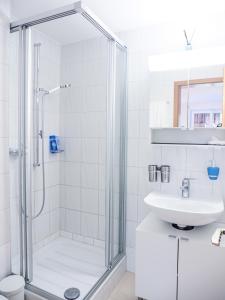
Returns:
(26, 142)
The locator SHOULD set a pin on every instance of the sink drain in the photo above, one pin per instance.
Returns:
(72, 293)
(181, 227)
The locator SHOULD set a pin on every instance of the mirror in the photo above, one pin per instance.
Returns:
(187, 98)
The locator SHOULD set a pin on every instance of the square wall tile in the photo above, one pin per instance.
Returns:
(101, 233)
(132, 155)
(102, 151)
(198, 158)
(102, 177)
(51, 174)
(96, 97)
(90, 150)
(149, 154)
(143, 209)
(94, 125)
(131, 232)
(201, 186)
(175, 157)
(72, 149)
(89, 176)
(133, 124)
(145, 187)
(102, 201)
(89, 225)
(54, 221)
(71, 124)
(72, 223)
(89, 201)
(132, 207)
(41, 227)
(72, 173)
(70, 197)
(144, 124)
(132, 180)
(73, 99)
(174, 186)
(38, 201)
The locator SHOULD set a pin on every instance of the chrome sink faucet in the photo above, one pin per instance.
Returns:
(185, 188)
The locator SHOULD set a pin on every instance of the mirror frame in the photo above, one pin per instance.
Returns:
(177, 92)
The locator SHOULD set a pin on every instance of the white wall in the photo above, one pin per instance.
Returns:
(184, 161)
(83, 123)
(4, 138)
(46, 226)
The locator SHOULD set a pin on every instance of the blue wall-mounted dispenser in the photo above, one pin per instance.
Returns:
(213, 171)
(54, 144)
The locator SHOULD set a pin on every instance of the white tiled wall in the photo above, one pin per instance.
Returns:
(83, 123)
(47, 224)
(4, 142)
(188, 161)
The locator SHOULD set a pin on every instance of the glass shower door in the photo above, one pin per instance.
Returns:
(73, 213)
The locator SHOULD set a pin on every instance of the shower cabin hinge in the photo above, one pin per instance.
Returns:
(14, 152)
(41, 134)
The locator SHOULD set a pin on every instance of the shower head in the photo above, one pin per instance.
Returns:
(63, 86)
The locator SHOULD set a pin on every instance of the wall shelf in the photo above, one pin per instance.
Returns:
(177, 136)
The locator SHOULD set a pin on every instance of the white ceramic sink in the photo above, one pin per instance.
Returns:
(185, 211)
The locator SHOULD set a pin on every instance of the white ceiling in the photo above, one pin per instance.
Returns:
(126, 14)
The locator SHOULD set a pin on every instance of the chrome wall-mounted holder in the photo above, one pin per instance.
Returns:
(154, 170)
(165, 173)
(153, 173)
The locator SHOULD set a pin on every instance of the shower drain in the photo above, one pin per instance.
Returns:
(72, 293)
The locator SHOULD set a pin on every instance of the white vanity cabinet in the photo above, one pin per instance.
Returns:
(156, 264)
(178, 265)
(201, 270)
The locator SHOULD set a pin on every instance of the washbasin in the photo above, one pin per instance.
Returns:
(185, 211)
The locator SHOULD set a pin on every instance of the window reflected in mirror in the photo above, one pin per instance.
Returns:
(191, 98)
(199, 103)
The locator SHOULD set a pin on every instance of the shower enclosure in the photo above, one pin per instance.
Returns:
(69, 131)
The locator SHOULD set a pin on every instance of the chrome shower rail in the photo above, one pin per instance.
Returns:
(37, 49)
(64, 11)
(46, 16)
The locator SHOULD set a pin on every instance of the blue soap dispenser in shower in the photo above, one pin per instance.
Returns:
(213, 171)
(54, 144)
